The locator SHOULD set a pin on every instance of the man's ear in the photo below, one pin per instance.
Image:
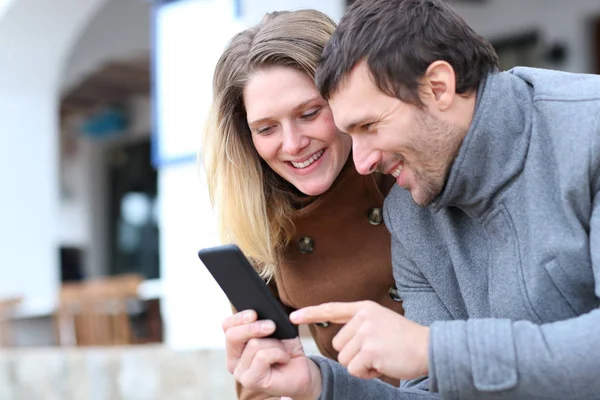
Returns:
(438, 85)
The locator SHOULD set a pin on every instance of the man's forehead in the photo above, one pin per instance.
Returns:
(351, 95)
(356, 82)
(341, 104)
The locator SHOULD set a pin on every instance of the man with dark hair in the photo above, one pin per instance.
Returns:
(495, 226)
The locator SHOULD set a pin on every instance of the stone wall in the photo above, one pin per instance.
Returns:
(127, 373)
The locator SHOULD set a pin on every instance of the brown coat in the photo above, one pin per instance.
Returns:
(341, 252)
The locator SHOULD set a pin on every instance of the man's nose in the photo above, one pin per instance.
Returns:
(365, 160)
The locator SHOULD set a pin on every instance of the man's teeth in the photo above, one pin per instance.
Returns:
(311, 160)
(396, 173)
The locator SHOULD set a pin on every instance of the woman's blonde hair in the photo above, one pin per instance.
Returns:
(251, 201)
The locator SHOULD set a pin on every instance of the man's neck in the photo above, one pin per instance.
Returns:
(494, 147)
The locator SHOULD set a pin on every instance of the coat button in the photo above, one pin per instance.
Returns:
(322, 324)
(306, 245)
(375, 216)
(393, 292)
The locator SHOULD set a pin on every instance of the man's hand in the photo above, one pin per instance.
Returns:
(375, 341)
(275, 367)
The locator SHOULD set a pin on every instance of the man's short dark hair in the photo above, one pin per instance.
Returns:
(399, 39)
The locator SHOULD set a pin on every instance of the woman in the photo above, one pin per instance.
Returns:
(281, 178)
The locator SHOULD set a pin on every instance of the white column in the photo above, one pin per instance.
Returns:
(34, 40)
(193, 306)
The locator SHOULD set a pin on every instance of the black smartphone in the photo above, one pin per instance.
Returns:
(244, 288)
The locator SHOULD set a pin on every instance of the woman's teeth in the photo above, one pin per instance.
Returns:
(311, 160)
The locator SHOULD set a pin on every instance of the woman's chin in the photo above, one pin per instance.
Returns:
(314, 188)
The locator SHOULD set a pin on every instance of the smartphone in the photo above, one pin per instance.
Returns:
(244, 288)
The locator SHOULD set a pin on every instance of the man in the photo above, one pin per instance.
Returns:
(495, 226)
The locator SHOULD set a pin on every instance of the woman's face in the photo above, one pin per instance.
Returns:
(293, 130)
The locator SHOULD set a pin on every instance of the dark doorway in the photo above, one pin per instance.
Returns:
(71, 264)
(134, 227)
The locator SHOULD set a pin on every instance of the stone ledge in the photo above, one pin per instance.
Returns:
(119, 373)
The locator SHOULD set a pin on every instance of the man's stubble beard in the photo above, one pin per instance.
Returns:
(443, 141)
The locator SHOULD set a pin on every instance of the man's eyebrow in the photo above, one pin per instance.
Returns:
(352, 125)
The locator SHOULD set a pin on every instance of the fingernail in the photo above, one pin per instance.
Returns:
(247, 316)
(267, 326)
(295, 315)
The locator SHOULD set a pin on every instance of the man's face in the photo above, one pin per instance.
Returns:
(396, 138)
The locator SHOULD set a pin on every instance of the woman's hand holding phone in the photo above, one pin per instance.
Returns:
(276, 367)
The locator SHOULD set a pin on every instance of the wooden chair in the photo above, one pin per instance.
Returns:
(7, 308)
(95, 312)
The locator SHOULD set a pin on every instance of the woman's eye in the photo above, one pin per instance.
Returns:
(263, 130)
(311, 114)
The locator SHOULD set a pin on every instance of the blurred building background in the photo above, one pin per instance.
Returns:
(102, 104)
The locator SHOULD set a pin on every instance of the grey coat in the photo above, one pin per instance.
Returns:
(505, 264)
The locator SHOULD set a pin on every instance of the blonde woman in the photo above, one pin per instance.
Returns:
(282, 181)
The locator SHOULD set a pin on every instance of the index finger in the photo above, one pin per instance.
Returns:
(336, 313)
(240, 318)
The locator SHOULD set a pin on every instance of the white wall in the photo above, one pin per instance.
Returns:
(33, 46)
(121, 29)
(36, 64)
(193, 306)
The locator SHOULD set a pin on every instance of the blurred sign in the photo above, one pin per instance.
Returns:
(189, 37)
(106, 122)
